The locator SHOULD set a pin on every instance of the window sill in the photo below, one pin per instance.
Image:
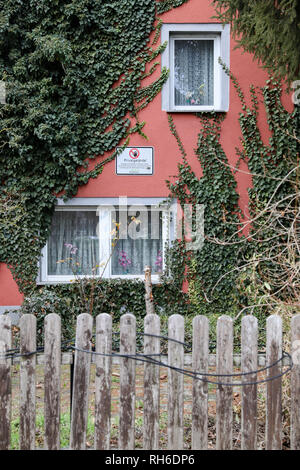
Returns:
(196, 109)
(155, 280)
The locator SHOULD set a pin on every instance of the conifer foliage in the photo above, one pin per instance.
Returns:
(270, 29)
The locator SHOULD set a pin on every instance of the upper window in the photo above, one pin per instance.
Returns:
(106, 240)
(197, 81)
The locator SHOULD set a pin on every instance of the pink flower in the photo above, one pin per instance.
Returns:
(159, 261)
(73, 249)
(123, 260)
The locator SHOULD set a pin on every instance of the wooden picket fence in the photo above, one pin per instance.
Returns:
(52, 358)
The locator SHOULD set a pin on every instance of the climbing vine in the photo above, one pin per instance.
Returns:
(252, 260)
(270, 275)
(216, 190)
(73, 71)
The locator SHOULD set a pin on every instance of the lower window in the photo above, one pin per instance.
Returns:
(105, 241)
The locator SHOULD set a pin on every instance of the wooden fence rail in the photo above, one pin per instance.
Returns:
(200, 361)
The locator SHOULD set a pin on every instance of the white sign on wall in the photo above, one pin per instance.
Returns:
(135, 161)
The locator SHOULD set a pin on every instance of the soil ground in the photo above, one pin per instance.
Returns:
(65, 410)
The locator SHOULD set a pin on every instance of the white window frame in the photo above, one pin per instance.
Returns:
(105, 207)
(220, 34)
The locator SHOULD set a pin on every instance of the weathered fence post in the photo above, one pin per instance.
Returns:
(224, 392)
(175, 383)
(274, 352)
(249, 392)
(148, 291)
(5, 382)
(200, 388)
(27, 381)
(295, 383)
(103, 381)
(127, 382)
(81, 381)
(151, 383)
(52, 381)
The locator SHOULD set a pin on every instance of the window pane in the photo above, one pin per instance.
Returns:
(143, 246)
(73, 246)
(194, 72)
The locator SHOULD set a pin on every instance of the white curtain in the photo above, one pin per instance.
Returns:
(130, 256)
(194, 72)
(73, 235)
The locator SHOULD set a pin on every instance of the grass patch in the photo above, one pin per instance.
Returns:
(65, 426)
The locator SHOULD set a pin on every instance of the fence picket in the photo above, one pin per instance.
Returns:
(295, 383)
(27, 381)
(274, 352)
(127, 382)
(151, 383)
(200, 388)
(224, 393)
(5, 382)
(80, 392)
(175, 383)
(249, 392)
(52, 381)
(103, 381)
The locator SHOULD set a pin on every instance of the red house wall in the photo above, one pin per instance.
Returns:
(165, 148)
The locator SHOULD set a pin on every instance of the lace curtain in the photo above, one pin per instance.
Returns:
(194, 72)
(132, 255)
(73, 243)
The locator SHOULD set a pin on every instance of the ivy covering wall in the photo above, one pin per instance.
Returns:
(247, 263)
(73, 71)
(216, 190)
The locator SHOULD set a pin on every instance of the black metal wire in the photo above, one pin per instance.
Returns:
(200, 375)
(150, 358)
